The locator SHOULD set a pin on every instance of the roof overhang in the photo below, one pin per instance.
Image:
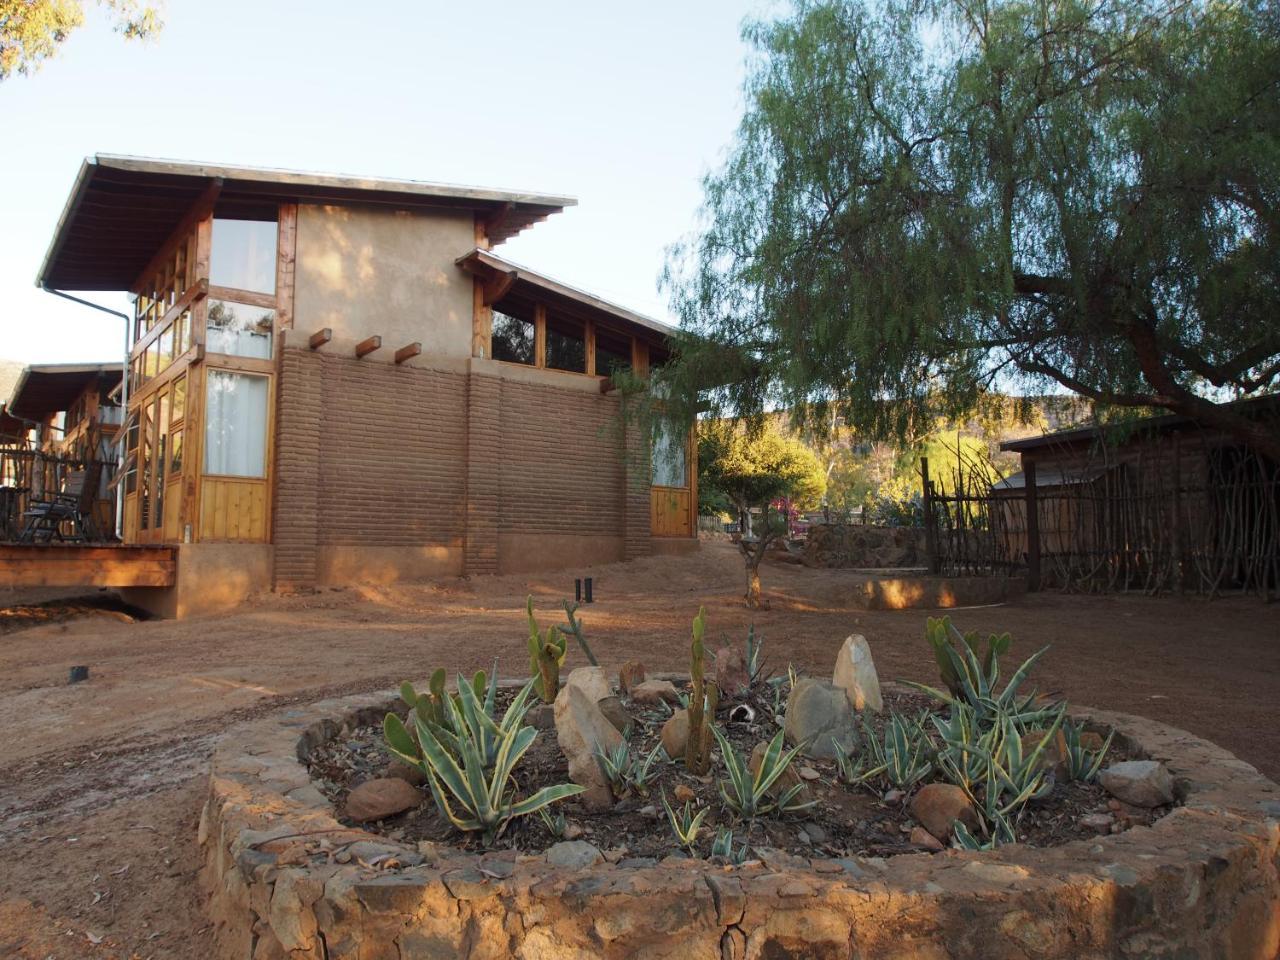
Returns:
(122, 209)
(51, 388)
(505, 277)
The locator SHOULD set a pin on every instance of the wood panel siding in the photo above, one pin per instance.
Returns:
(670, 512)
(234, 509)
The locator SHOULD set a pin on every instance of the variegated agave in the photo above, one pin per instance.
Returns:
(469, 764)
(748, 795)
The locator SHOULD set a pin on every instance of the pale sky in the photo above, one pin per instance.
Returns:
(623, 106)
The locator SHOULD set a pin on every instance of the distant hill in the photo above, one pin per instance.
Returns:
(10, 370)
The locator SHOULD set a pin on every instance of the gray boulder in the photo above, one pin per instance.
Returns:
(819, 714)
(1143, 783)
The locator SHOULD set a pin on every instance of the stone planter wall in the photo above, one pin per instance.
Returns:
(857, 545)
(1202, 882)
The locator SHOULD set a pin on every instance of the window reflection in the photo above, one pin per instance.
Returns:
(235, 440)
(239, 329)
(566, 344)
(513, 338)
(244, 255)
(613, 353)
(669, 468)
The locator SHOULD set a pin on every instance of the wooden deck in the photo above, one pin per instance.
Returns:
(86, 565)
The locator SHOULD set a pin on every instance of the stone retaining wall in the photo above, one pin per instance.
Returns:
(1202, 882)
(858, 545)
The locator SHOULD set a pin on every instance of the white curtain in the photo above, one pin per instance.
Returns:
(669, 469)
(235, 440)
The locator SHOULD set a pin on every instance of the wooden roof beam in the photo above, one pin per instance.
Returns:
(320, 338)
(367, 346)
(408, 351)
(201, 208)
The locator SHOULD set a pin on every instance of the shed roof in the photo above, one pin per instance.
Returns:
(122, 209)
(1047, 476)
(529, 282)
(51, 388)
(1251, 406)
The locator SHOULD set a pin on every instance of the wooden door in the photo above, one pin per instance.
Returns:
(672, 500)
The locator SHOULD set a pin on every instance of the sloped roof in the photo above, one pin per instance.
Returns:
(52, 387)
(122, 209)
(529, 281)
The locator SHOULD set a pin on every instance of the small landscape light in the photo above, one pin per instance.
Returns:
(78, 674)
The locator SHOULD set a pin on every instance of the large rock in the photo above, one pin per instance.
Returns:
(574, 854)
(675, 734)
(937, 806)
(381, 798)
(582, 731)
(629, 675)
(1143, 783)
(855, 674)
(612, 708)
(591, 681)
(654, 692)
(819, 715)
(731, 672)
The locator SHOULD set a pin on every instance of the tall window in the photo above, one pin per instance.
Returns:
(235, 439)
(566, 344)
(244, 255)
(669, 466)
(514, 338)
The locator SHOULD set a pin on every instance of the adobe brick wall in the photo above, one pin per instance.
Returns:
(374, 455)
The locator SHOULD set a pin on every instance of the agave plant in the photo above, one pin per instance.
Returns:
(627, 773)
(943, 636)
(1083, 764)
(907, 752)
(686, 824)
(475, 795)
(977, 687)
(722, 847)
(748, 795)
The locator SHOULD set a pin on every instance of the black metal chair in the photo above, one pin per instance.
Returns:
(73, 504)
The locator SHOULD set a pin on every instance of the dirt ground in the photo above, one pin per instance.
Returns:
(101, 782)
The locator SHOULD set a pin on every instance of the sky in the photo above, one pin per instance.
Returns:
(623, 107)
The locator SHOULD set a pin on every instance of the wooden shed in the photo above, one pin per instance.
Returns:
(335, 379)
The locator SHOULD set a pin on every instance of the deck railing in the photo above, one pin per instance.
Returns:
(28, 474)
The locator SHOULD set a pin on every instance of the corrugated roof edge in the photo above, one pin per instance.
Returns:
(565, 290)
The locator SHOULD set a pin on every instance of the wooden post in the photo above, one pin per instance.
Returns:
(930, 531)
(1033, 525)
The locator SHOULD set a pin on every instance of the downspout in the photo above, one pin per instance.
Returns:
(124, 398)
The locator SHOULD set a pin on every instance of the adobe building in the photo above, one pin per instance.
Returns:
(336, 379)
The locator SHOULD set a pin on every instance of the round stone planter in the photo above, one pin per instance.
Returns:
(1203, 881)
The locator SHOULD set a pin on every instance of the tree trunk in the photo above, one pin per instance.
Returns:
(753, 582)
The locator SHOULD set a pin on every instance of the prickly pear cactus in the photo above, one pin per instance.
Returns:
(703, 700)
(546, 653)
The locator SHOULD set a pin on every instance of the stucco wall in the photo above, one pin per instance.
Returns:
(365, 272)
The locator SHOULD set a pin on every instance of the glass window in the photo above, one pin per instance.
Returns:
(239, 329)
(175, 453)
(244, 255)
(566, 344)
(179, 398)
(131, 462)
(669, 469)
(166, 347)
(235, 439)
(613, 353)
(513, 338)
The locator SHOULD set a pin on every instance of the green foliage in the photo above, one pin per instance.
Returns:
(755, 655)
(554, 822)
(577, 632)
(430, 705)
(722, 847)
(748, 795)
(977, 681)
(703, 700)
(546, 654)
(32, 30)
(1083, 764)
(902, 759)
(946, 639)
(925, 200)
(627, 773)
(470, 765)
(754, 468)
(686, 824)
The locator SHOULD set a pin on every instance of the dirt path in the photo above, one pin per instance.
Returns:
(100, 783)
